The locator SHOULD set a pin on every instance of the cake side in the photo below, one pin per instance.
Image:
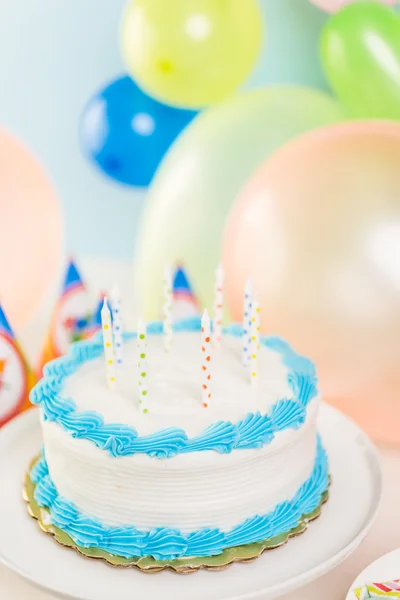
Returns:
(189, 491)
(168, 543)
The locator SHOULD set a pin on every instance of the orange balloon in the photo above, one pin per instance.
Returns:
(317, 228)
(31, 238)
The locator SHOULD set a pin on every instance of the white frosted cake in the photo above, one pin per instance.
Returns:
(182, 479)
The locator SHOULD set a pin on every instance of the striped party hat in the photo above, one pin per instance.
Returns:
(16, 378)
(185, 303)
(70, 316)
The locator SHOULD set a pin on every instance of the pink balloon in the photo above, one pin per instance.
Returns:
(317, 228)
(333, 6)
(31, 233)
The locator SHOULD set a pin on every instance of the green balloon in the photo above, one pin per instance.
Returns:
(201, 175)
(360, 50)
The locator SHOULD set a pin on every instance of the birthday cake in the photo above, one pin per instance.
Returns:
(183, 444)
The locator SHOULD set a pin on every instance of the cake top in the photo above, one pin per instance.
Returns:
(175, 383)
(239, 415)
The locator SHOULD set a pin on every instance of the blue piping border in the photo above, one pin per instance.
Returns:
(166, 543)
(254, 431)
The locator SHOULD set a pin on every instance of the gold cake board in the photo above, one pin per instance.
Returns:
(147, 564)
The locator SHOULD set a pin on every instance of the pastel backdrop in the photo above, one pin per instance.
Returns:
(63, 53)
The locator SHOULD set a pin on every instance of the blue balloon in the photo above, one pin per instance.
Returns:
(126, 133)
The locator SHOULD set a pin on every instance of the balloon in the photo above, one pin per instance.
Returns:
(360, 49)
(191, 52)
(317, 229)
(332, 6)
(289, 53)
(30, 231)
(197, 182)
(127, 133)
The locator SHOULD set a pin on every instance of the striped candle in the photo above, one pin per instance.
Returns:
(218, 306)
(206, 358)
(246, 338)
(108, 344)
(142, 365)
(255, 341)
(117, 325)
(167, 309)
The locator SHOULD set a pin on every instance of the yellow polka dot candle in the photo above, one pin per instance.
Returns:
(246, 338)
(167, 309)
(206, 359)
(109, 354)
(142, 366)
(255, 341)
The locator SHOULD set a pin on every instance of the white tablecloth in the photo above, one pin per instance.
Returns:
(384, 536)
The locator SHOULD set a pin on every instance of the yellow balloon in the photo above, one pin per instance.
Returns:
(191, 52)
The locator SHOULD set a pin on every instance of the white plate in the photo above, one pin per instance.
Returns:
(345, 521)
(386, 568)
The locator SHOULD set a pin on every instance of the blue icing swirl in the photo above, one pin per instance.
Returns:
(80, 424)
(165, 543)
(64, 514)
(253, 431)
(252, 530)
(59, 367)
(304, 387)
(45, 491)
(115, 438)
(205, 542)
(39, 471)
(125, 541)
(221, 436)
(285, 517)
(162, 444)
(287, 413)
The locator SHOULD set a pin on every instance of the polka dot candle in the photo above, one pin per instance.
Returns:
(117, 325)
(142, 365)
(108, 344)
(206, 358)
(246, 338)
(255, 341)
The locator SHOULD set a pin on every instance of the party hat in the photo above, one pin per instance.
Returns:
(185, 303)
(387, 589)
(16, 378)
(70, 316)
(94, 323)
